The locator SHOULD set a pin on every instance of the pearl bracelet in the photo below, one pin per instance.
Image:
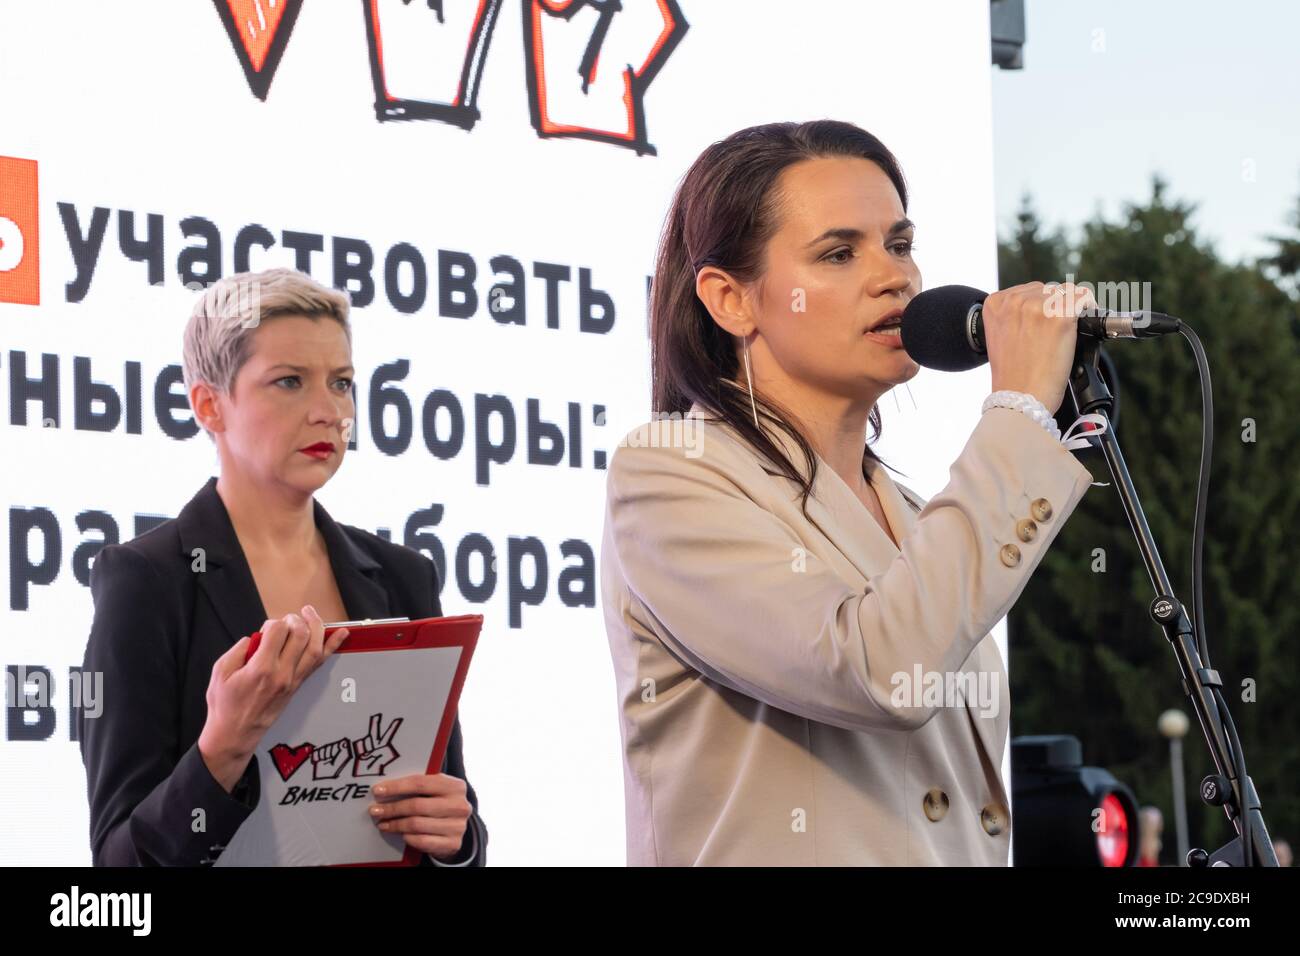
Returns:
(1026, 403)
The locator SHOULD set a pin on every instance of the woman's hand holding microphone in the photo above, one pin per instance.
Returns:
(1030, 334)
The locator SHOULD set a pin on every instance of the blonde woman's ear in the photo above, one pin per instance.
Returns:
(203, 402)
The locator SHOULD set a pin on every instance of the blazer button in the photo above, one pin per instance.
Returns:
(1026, 529)
(935, 804)
(993, 820)
(1010, 555)
(1041, 509)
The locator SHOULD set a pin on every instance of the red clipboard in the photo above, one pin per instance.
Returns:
(461, 631)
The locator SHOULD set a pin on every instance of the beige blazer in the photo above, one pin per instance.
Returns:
(796, 692)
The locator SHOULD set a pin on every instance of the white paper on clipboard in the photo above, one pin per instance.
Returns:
(359, 719)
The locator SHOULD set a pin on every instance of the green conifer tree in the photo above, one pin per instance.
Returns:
(1085, 658)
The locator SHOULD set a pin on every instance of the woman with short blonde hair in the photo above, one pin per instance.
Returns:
(220, 331)
(268, 369)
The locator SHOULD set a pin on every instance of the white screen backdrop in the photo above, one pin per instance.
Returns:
(136, 151)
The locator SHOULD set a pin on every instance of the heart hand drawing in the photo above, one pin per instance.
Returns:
(288, 759)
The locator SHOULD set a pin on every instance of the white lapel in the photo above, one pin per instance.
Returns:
(901, 514)
(845, 521)
(836, 511)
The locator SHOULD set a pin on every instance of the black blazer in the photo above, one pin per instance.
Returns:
(160, 624)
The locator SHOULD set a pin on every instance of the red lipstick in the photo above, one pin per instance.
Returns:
(321, 451)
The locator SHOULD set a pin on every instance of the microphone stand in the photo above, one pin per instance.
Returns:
(1227, 788)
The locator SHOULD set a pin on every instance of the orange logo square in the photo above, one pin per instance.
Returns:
(20, 273)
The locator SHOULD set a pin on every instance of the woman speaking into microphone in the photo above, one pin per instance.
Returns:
(780, 611)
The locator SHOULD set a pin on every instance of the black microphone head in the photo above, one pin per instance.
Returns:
(934, 328)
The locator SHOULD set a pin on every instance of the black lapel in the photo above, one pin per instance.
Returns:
(358, 575)
(209, 543)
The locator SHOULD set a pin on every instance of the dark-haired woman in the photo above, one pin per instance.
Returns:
(801, 645)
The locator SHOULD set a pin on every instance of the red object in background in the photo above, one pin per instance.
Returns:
(20, 273)
(1113, 837)
(259, 31)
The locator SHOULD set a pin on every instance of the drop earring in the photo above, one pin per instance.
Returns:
(897, 405)
(750, 379)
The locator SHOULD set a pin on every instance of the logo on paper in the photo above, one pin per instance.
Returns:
(367, 756)
(20, 274)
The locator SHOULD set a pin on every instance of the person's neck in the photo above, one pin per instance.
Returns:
(273, 520)
(834, 425)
